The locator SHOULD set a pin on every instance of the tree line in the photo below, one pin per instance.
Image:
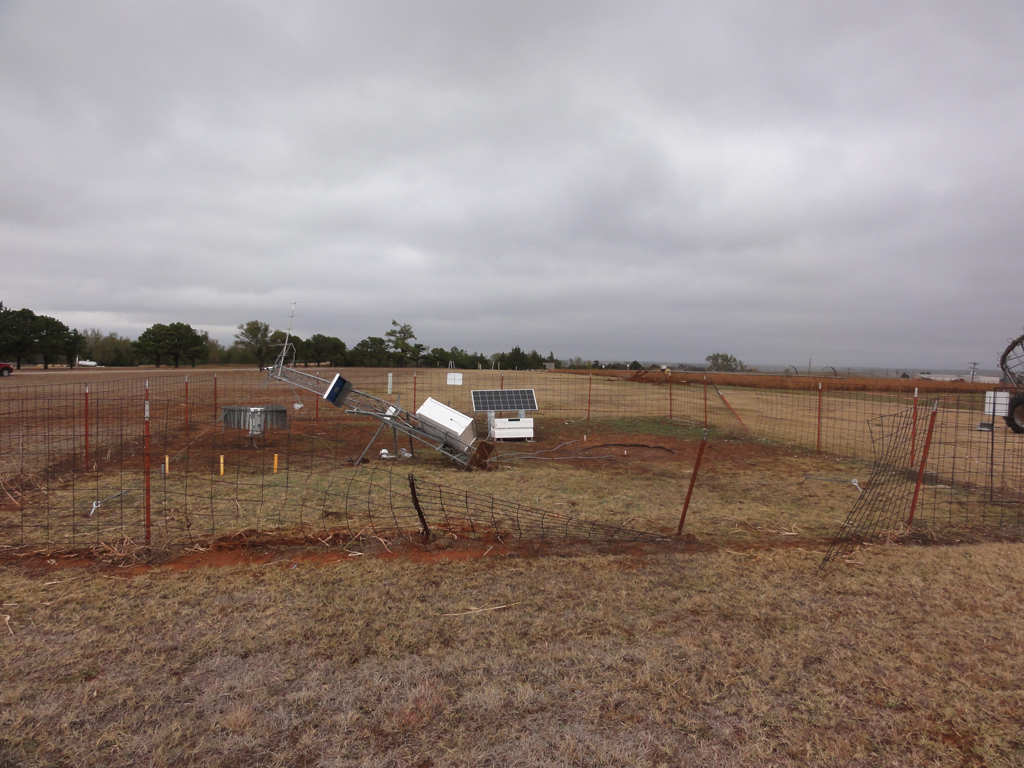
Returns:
(25, 335)
(397, 348)
(28, 338)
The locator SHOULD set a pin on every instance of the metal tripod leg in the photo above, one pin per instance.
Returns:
(383, 424)
(359, 461)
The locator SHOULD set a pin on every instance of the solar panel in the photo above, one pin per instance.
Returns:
(504, 400)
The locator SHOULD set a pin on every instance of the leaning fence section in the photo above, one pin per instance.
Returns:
(462, 513)
(934, 472)
(173, 458)
(888, 499)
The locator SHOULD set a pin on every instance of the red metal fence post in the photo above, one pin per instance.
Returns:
(693, 481)
(215, 398)
(145, 461)
(413, 392)
(670, 396)
(924, 460)
(731, 409)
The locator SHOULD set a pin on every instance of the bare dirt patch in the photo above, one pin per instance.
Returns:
(629, 472)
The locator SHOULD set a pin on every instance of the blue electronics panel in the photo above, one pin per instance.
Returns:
(338, 391)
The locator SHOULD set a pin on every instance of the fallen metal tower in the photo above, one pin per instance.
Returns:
(340, 392)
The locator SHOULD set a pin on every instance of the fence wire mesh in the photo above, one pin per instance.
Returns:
(925, 478)
(477, 516)
(74, 473)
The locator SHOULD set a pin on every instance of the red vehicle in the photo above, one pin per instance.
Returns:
(6, 369)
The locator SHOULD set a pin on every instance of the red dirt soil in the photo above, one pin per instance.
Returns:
(269, 554)
(604, 448)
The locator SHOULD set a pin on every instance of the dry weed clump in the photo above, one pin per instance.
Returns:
(720, 658)
(16, 482)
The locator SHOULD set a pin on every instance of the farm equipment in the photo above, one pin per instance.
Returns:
(434, 424)
(1012, 364)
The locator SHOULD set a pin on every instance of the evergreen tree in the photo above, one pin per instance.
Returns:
(400, 341)
(254, 338)
(17, 334)
(50, 337)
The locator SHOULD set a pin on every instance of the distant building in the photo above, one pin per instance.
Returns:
(957, 377)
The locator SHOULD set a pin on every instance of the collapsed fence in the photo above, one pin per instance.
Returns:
(907, 478)
(171, 459)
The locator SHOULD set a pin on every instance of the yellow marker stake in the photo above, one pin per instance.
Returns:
(167, 465)
(222, 465)
(275, 463)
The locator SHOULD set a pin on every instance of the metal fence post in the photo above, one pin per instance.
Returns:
(913, 428)
(705, 402)
(817, 448)
(924, 460)
(590, 392)
(693, 481)
(186, 411)
(146, 461)
(86, 427)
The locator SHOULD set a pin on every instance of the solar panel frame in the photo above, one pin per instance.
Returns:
(498, 400)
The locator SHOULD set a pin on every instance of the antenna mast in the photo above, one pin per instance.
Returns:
(287, 340)
(440, 436)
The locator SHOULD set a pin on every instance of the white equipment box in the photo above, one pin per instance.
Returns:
(512, 429)
(997, 403)
(446, 420)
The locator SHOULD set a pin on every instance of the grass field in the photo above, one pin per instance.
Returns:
(717, 658)
(256, 638)
(631, 473)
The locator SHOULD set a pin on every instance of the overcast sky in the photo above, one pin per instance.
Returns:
(784, 181)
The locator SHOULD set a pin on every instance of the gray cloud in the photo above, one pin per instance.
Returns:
(778, 181)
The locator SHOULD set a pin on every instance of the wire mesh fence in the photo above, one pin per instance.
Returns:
(935, 470)
(477, 516)
(151, 459)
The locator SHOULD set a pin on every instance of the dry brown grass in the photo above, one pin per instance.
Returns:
(802, 382)
(912, 657)
(629, 473)
(732, 652)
